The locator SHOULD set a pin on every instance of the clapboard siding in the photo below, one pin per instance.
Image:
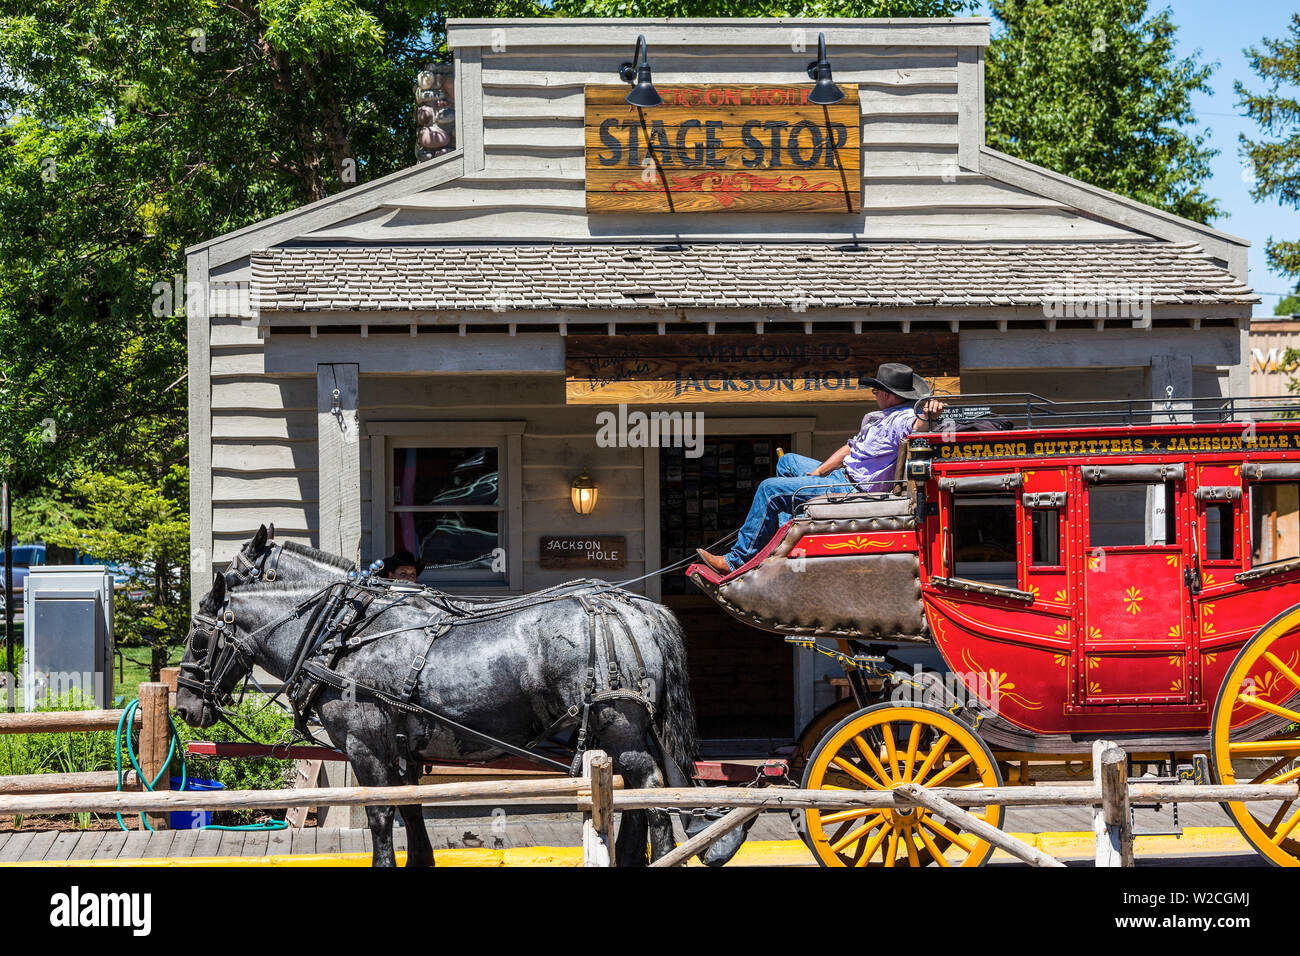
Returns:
(916, 126)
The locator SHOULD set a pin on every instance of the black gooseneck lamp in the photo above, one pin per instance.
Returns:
(825, 93)
(643, 93)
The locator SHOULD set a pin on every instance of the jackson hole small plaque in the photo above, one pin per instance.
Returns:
(586, 551)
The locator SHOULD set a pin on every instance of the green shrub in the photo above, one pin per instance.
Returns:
(268, 726)
(82, 752)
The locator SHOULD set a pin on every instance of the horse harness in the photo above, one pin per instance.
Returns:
(342, 613)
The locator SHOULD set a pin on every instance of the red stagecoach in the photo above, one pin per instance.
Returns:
(1046, 575)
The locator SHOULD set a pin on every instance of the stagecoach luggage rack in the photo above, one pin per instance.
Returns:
(1027, 410)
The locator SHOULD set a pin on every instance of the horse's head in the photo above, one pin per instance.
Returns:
(216, 659)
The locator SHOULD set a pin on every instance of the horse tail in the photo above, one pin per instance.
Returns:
(677, 733)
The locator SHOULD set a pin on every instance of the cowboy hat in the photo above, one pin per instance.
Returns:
(897, 379)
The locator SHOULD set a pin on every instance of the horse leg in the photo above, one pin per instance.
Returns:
(625, 741)
(419, 849)
(662, 840)
(371, 770)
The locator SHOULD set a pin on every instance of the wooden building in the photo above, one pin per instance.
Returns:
(431, 359)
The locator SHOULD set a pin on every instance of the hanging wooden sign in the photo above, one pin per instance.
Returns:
(736, 367)
(607, 551)
(734, 148)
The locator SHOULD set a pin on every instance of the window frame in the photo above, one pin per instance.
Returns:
(505, 436)
(1247, 537)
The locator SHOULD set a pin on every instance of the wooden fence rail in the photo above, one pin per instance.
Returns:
(598, 794)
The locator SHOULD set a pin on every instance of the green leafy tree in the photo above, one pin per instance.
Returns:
(1288, 305)
(1093, 89)
(1275, 157)
(145, 532)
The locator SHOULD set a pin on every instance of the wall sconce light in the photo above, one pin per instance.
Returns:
(643, 93)
(825, 93)
(583, 494)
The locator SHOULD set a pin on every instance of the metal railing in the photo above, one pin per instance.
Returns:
(1028, 410)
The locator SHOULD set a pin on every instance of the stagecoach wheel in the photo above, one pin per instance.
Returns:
(809, 738)
(1264, 680)
(879, 748)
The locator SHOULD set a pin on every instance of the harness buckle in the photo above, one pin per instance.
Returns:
(418, 663)
(228, 617)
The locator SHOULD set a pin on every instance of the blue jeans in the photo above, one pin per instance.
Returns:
(775, 500)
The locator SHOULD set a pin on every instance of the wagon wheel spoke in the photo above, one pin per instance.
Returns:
(857, 774)
(1273, 768)
(841, 815)
(870, 846)
(913, 741)
(869, 755)
(1285, 830)
(1277, 817)
(1287, 777)
(891, 855)
(891, 750)
(960, 839)
(1261, 704)
(958, 764)
(857, 834)
(1286, 672)
(1269, 747)
(935, 852)
(912, 858)
(937, 751)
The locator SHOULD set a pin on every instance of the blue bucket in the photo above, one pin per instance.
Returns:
(192, 819)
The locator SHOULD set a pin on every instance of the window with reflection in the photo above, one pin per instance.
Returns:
(984, 538)
(1274, 522)
(448, 511)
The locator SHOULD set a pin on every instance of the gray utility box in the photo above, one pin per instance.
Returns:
(68, 634)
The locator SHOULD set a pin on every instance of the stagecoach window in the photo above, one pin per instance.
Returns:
(1274, 522)
(1046, 535)
(447, 510)
(1132, 515)
(984, 538)
(1220, 537)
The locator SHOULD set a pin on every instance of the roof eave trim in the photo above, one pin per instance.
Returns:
(1003, 167)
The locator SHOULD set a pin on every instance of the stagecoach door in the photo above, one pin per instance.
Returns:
(1134, 623)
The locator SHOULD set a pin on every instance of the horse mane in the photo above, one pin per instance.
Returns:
(315, 554)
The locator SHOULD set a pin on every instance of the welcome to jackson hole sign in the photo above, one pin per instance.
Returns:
(735, 148)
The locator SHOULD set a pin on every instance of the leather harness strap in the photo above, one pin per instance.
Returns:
(334, 629)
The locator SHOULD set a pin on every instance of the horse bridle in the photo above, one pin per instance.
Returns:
(223, 658)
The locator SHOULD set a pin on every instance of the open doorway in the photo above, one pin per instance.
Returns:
(742, 679)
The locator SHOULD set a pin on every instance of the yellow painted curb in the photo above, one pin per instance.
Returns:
(1062, 845)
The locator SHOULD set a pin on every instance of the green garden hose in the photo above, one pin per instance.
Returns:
(126, 720)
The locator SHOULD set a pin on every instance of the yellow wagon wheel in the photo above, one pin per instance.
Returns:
(1265, 682)
(879, 748)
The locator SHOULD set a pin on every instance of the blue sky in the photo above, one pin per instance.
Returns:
(1221, 31)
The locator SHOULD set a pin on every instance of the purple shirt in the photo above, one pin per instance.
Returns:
(873, 452)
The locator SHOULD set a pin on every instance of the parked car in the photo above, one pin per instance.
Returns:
(28, 556)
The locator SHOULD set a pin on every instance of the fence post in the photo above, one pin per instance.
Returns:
(168, 676)
(1115, 804)
(598, 825)
(1111, 825)
(155, 735)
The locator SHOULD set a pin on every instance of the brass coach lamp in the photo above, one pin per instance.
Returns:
(825, 93)
(583, 494)
(643, 93)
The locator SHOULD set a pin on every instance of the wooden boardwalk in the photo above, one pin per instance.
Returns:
(469, 832)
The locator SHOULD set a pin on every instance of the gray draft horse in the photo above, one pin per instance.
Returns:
(510, 677)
